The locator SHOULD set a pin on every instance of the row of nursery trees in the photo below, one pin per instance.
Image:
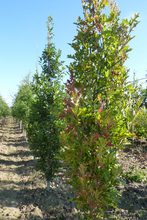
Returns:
(84, 122)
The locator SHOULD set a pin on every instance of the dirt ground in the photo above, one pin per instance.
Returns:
(23, 190)
(24, 193)
(133, 189)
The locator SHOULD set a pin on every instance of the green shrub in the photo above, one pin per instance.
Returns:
(140, 123)
(136, 175)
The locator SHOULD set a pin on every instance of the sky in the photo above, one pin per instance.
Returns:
(23, 36)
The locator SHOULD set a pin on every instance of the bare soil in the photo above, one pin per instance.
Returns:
(132, 204)
(133, 200)
(24, 192)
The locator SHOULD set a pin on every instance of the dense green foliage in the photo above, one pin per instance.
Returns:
(4, 108)
(43, 128)
(22, 102)
(95, 109)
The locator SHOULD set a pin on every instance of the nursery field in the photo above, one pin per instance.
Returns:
(73, 145)
(25, 194)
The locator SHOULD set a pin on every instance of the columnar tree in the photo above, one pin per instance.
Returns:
(43, 130)
(95, 109)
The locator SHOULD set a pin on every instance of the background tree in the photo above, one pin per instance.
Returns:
(138, 124)
(22, 102)
(4, 108)
(95, 110)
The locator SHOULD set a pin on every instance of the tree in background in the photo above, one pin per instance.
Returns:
(95, 109)
(4, 108)
(138, 124)
(143, 93)
(43, 128)
(22, 102)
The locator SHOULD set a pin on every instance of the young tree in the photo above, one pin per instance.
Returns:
(95, 110)
(43, 130)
